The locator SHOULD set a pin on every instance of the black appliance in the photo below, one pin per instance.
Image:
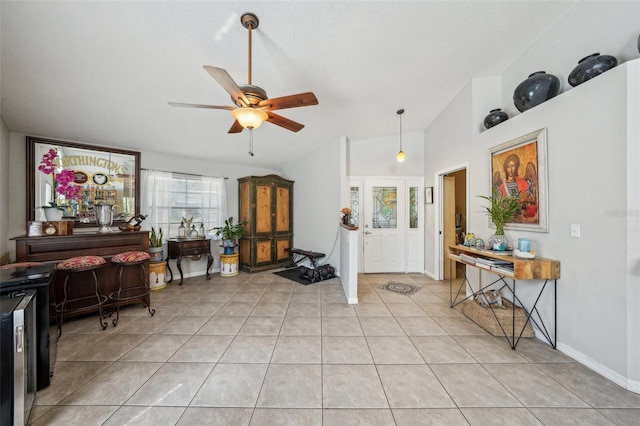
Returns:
(18, 353)
(33, 277)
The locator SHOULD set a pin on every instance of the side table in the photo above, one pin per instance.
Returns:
(195, 248)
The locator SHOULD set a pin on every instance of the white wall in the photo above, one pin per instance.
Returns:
(592, 129)
(316, 201)
(377, 156)
(447, 141)
(4, 187)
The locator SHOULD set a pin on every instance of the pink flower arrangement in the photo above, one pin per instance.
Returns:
(65, 178)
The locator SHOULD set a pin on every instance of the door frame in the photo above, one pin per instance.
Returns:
(438, 177)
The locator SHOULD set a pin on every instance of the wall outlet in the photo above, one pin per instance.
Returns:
(575, 230)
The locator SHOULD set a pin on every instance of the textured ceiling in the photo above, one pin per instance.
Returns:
(103, 72)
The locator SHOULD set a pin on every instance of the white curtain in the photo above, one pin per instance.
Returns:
(155, 192)
(156, 202)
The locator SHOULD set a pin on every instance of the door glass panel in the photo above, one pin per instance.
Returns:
(413, 207)
(385, 207)
(354, 203)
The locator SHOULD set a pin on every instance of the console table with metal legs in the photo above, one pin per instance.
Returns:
(502, 265)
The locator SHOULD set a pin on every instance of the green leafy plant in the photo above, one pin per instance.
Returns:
(502, 209)
(52, 205)
(155, 239)
(230, 232)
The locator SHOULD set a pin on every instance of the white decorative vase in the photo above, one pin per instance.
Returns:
(229, 265)
(157, 275)
(52, 214)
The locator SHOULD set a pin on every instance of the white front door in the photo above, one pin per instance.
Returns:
(384, 226)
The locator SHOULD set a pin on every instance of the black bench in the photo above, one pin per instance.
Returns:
(297, 256)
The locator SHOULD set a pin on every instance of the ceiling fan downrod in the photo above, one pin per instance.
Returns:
(250, 22)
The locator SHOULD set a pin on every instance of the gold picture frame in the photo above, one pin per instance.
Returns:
(519, 166)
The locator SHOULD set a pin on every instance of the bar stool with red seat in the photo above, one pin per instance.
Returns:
(140, 291)
(72, 288)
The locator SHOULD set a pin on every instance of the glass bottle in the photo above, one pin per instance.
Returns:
(193, 232)
(182, 231)
(201, 231)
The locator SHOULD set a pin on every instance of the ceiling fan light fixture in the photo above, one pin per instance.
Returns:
(249, 118)
(400, 155)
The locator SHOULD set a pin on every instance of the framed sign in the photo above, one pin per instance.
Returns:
(428, 195)
(520, 167)
(72, 177)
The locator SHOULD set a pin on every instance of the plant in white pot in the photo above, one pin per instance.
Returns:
(501, 210)
(155, 245)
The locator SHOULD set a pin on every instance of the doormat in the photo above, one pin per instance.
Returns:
(293, 274)
(401, 288)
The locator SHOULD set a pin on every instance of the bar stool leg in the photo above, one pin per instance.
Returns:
(63, 305)
(117, 295)
(147, 287)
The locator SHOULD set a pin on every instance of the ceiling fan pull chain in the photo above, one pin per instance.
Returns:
(251, 142)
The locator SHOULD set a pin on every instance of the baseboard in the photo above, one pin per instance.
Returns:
(430, 275)
(617, 378)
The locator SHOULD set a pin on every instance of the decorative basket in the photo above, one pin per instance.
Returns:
(485, 319)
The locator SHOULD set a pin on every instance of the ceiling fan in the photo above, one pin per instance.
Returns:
(253, 107)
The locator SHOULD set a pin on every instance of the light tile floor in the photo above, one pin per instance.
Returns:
(258, 349)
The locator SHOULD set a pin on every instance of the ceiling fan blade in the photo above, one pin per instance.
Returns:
(284, 122)
(291, 101)
(224, 79)
(236, 127)
(180, 104)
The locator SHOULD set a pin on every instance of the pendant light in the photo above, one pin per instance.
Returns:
(400, 155)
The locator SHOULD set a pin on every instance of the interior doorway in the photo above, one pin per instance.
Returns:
(454, 215)
(451, 216)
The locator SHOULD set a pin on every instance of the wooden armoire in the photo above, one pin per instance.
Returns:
(266, 204)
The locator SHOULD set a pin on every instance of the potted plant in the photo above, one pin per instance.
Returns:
(53, 212)
(231, 233)
(501, 210)
(63, 182)
(155, 245)
(229, 260)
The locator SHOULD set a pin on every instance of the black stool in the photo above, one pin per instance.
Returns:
(74, 266)
(141, 291)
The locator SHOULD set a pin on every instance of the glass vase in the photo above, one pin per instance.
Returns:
(499, 242)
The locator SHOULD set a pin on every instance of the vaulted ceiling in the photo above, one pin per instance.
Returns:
(104, 72)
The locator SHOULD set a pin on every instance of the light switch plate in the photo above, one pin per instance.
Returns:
(575, 230)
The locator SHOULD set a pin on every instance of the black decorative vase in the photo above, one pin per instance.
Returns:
(495, 117)
(536, 89)
(591, 66)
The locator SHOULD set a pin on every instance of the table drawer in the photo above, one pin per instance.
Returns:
(195, 251)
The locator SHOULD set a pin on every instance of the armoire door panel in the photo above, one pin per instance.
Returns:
(282, 210)
(263, 209)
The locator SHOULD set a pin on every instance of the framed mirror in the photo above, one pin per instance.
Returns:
(73, 177)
